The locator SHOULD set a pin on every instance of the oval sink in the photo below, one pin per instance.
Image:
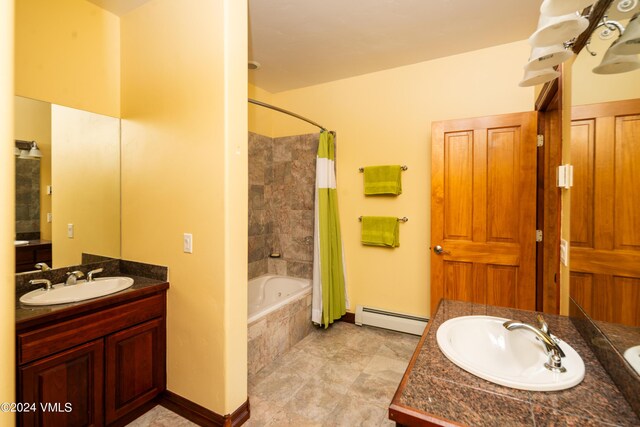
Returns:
(60, 294)
(20, 242)
(482, 346)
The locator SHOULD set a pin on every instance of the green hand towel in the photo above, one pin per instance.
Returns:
(382, 180)
(380, 231)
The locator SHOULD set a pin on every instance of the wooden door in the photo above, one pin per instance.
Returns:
(70, 386)
(605, 211)
(134, 368)
(483, 210)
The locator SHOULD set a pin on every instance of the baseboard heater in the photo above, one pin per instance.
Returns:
(390, 320)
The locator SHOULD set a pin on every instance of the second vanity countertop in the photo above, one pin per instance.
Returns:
(434, 391)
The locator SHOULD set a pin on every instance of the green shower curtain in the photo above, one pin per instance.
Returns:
(329, 286)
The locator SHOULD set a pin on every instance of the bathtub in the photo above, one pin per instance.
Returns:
(269, 292)
(279, 315)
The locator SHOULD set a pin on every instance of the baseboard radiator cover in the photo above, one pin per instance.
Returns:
(390, 320)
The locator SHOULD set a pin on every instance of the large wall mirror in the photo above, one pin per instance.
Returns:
(605, 199)
(70, 195)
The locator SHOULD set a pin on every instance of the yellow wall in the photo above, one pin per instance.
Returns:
(86, 184)
(260, 118)
(68, 53)
(7, 225)
(33, 123)
(184, 170)
(591, 88)
(385, 118)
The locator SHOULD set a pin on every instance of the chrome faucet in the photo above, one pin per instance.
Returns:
(72, 277)
(92, 272)
(553, 350)
(45, 282)
(42, 266)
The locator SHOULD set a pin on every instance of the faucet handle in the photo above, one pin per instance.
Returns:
(42, 266)
(92, 272)
(542, 324)
(45, 282)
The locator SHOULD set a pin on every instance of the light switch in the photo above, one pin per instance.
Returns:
(49, 217)
(188, 243)
(70, 231)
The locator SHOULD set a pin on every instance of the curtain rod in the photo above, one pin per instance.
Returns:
(282, 110)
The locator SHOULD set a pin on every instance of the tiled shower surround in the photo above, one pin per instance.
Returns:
(282, 174)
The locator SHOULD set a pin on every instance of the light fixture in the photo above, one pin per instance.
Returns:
(536, 77)
(253, 65)
(34, 152)
(629, 41)
(614, 64)
(558, 29)
(547, 57)
(562, 7)
(26, 150)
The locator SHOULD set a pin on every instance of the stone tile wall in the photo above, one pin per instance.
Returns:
(282, 174)
(27, 196)
(274, 334)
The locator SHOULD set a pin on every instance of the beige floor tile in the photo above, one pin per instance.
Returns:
(387, 368)
(278, 388)
(161, 417)
(289, 419)
(373, 389)
(400, 348)
(353, 412)
(315, 401)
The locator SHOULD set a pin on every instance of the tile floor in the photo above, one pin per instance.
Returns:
(344, 376)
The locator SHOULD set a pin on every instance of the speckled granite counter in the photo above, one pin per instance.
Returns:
(147, 279)
(434, 391)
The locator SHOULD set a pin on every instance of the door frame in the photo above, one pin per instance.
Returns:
(548, 196)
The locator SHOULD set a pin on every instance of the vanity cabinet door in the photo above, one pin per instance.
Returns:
(66, 388)
(135, 367)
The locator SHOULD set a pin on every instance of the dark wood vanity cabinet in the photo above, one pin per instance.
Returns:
(118, 367)
(28, 256)
(70, 383)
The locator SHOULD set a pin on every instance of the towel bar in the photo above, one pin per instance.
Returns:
(403, 167)
(403, 219)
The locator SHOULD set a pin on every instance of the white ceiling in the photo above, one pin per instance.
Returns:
(304, 42)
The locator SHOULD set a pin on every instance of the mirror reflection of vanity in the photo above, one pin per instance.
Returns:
(605, 200)
(77, 205)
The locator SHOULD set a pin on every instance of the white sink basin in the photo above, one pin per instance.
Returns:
(633, 357)
(83, 290)
(20, 242)
(485, 348)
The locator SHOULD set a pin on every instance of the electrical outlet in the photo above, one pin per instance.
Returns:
(49, 216)
(70, 231)
(188, 243)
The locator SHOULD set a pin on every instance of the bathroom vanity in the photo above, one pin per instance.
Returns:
(434, 391)
(28, 255)
(96, 362)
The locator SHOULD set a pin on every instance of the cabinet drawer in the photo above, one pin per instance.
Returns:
(24, 255)
(48, 340)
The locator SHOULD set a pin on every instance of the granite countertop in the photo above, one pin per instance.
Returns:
(434, 391)
(34, 243)
(27, 316)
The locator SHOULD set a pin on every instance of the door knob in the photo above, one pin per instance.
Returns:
(439, 250)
